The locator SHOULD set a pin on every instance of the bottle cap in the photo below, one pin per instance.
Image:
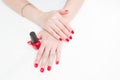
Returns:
(33, 37)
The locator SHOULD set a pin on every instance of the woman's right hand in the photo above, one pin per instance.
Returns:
(56, 25)
(50, 50)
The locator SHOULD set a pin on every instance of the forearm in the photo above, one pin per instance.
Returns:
(73, 6)
(30, 12)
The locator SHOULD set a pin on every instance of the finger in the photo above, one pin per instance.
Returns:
(51, 59)
(59, 32)
(62, 20)
(63, 12)
(39, 55)
(53, 33)
(64, 30)
(58, 54)
(44, 58)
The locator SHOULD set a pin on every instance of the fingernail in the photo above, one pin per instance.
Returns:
(60, 39)
(70, 37)
(49, 68)
(66, 11)
(57, 62)
(67, 39)
(42, 70)
(72, 32)
(35, 65)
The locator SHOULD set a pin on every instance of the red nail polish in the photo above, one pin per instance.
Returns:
(57, 62)
(35, 42)
(66, 10)
(60, 39)
(72, 32)
(49, 68)
(35, 65)
(67, 40)
(42, 70)
(70, 37)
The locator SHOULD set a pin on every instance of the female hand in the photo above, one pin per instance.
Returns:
(56, 25)
(49, 50)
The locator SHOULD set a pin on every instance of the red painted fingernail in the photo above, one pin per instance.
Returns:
(67, 40)
(60, 39)
(72, 32)
(70, 37)
(57, 62)
(42, 70)
(66, 11)
(35, 65)
(49, 68)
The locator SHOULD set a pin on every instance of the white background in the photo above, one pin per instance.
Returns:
(93, 54)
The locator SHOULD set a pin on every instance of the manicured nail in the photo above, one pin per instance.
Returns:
(49, 68)
(42, 70)
(70, 37)
(57, 62)
(35, 65)
(60, 39)
(66, 11)
(67, 39)
(72, 32)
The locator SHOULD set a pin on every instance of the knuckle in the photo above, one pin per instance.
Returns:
(42, 63)
(53, 17)
(44, 42)
(48, 21)
(52, 55)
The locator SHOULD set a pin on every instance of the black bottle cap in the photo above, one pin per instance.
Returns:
(33, 37)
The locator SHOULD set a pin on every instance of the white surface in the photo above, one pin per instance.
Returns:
(93, 54)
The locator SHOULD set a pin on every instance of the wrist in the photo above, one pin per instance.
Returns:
(32, 13)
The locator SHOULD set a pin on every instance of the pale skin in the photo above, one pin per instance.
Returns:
(55, 26)
(49, 50)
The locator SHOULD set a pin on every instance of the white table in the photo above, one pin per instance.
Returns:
(93, 54)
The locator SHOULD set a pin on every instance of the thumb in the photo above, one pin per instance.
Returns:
(63, 12)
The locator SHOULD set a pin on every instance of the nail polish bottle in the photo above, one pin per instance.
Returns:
(35, 42)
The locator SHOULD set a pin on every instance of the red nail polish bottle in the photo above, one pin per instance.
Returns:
(35, 42)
